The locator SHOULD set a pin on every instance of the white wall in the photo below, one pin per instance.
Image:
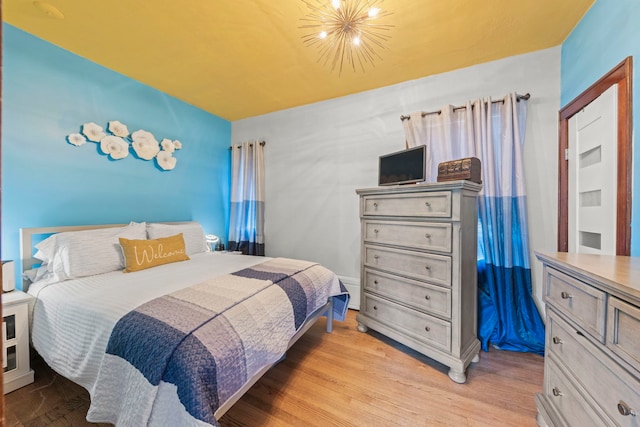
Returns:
(317, 155)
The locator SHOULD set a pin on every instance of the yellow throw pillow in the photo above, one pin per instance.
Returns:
(141, 254)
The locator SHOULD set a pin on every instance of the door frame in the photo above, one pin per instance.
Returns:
(621, 75)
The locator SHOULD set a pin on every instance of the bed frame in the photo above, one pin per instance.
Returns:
(310, 321)
(28, 261)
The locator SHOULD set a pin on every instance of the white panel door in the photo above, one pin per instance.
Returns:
(592, 171)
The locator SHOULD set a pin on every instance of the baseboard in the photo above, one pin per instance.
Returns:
(353, 286)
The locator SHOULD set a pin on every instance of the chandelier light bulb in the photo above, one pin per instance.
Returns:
(322, 35)
(373, 12)
(356, 41)
(335, 4)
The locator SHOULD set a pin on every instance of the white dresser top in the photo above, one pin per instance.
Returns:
(422, 186)
(615, 274)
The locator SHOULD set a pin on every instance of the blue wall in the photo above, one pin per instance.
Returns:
(606, 35)
(49, 93)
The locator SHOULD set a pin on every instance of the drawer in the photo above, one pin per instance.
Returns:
(432, 268)
(582, 303)
(566, 399)
(417, 235)
(435, 204)
(419, 326)
(609, 385)
(623, 331)
(422, 296)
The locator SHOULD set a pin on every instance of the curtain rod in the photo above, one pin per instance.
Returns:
(263, 143)
(519, 97)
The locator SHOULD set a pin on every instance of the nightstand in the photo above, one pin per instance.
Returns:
(15, 340)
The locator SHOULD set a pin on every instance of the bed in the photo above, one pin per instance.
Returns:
(174, 343)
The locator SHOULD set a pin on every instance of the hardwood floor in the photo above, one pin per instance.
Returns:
(346, 378)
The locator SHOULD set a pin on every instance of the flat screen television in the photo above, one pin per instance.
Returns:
(402, 167)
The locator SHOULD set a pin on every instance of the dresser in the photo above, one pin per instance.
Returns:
(15, 340)
(418, 271)
(592, 348)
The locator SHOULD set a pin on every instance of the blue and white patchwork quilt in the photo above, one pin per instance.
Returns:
(176, 359)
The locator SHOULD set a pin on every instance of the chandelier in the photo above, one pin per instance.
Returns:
(345, 31)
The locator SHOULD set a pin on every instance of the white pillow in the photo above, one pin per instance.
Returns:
(74, 254)
(41, 275)
(192, 233)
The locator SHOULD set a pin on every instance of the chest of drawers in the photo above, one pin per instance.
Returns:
(419, 269)
(592, 349)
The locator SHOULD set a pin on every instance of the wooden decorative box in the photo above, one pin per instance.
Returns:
(467, 168)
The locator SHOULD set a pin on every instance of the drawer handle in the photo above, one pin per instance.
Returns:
(375, 307)
(375, 282)
(557, 340)
(565, 295)
(625, 410)
(427, 204)
(427, 267)
(556, 391)
(375, 230)
(426, 328)
(375, 205)
(376, 257)
(427, 235)
(427, 297)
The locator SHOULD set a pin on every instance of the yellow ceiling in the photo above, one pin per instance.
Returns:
(242, 58)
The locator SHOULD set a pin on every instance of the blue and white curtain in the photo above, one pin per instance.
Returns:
(494, 133)
(246, 224)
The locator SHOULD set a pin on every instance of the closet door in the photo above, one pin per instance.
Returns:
(586, 153)
(592, 158)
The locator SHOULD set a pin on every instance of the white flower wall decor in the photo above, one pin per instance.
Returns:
(117, 142)
(76, 139)
(116, 147)
(118, 129)
(165, 160)
(145, 144)
(93, 132)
